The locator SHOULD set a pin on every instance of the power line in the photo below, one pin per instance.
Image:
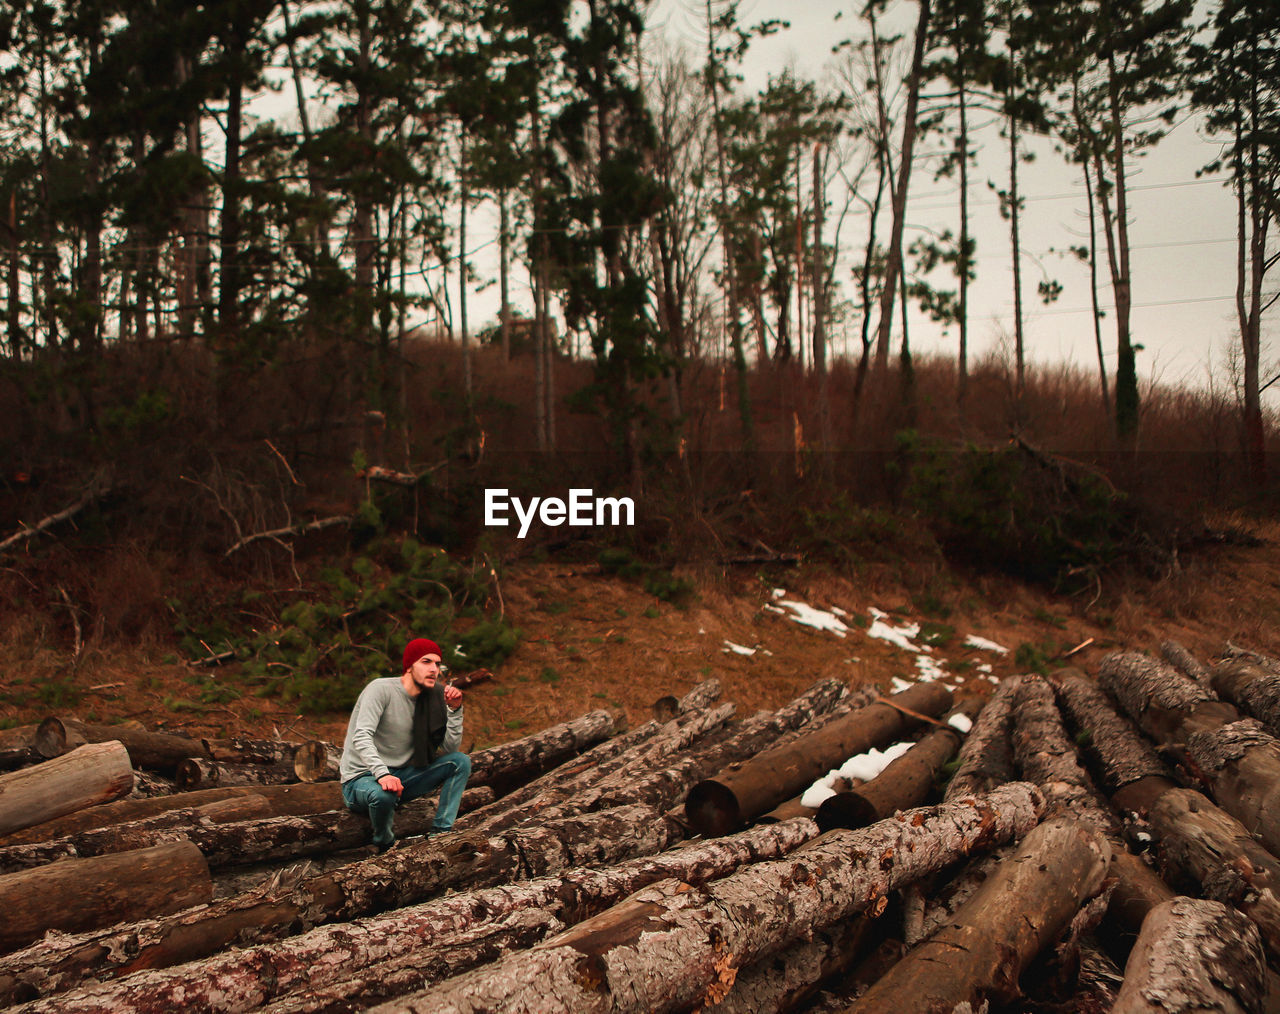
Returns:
(1136, 306)
(1073, 195)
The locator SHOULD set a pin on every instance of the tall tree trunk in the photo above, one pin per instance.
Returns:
(1126, 364)
(504, 270)
(1093, 282)
(13, 307)
(362, 222)
(464, 196)
(1015, 242)
(819, 304)
(314, 183)
(49, 256)
(726, 235)
(910, 128)
(962, 156)
(229, 227)
(1249, 313)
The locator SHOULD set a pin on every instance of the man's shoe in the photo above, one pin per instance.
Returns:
(384, 847)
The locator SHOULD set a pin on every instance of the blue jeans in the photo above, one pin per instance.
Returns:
(363, 794)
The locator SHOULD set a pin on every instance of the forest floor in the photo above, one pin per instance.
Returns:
(593, 640)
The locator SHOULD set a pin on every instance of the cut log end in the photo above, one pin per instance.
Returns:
(713, 809)
(845, 809)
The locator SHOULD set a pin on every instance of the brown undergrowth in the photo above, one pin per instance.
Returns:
(594, 640)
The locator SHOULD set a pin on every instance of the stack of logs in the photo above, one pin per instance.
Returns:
(1060, 856)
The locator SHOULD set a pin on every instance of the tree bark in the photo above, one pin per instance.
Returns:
(904, 783)
(910, 128)
(622, 960)
(1253, 687)
(510, 764)
(1048, 758)
(157, 750)
(82, 894)
(986, 756)
(1123, 755)
(283, 799)
(133, 835)
(995, 934)
(409, 873)
(643, 779)
(1166, 705)
(18, 747)
(1201, 840)
(240, 750)
(782, 982)
(1241, 761)
(743, 792)
(655, 773)
(92, 774)
(1193, 956)
(245, 832)
(202, 773)
(243, 979)
(1185, 662)
(479, 945)
(317, 761)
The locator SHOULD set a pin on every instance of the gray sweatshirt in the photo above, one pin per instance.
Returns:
(380, 733)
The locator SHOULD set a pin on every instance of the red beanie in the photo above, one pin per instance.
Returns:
(418, 647)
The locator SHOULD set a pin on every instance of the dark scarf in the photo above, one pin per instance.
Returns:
(428, 725)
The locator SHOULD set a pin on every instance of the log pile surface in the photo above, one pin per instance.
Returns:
(1093, 842)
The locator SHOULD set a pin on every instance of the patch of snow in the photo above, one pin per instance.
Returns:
(777, 593)
(900, 636)
(817, 794)
(702, 630)
(819, 619)
(985, 669)
(928, 669)
(962, 722)
(974, 641)
(898, 684)
(865, 766)
(839, 612)
(737, 649)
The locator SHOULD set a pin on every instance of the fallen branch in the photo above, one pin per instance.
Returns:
(276, 534)
(99, 488)
(380, 473)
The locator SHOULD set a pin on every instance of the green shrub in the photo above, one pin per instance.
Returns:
(1013, 509)
(658, 581)
(349, 626)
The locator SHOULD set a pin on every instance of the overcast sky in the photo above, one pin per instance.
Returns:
(1182, 228)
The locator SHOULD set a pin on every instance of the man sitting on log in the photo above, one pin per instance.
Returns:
(402, 741)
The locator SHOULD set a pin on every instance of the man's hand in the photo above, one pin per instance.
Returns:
(391, 783)
(452, 696)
